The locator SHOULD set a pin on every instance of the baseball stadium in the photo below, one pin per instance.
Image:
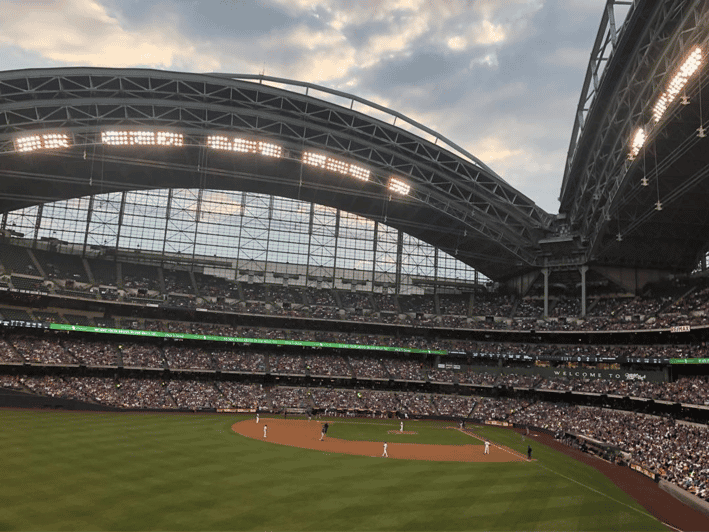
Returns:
(233, 301)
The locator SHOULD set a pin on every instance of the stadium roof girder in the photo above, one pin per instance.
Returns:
(603, 195)
(83, 101)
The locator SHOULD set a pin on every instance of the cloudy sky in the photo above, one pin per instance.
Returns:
(501, 78)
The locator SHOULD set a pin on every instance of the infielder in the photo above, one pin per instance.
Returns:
(384, 454)
(487, 447)
(324, 431)
(265, 430)
(257, 418)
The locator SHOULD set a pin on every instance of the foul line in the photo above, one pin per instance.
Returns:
(642, 512)
(501, 447)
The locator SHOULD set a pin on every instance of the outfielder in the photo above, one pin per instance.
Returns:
(401, 428)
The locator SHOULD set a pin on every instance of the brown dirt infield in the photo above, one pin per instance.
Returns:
(306, 435)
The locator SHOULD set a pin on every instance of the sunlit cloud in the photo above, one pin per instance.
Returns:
(469, 70)
(82, 32)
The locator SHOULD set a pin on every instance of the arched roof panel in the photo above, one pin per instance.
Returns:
(444, 196)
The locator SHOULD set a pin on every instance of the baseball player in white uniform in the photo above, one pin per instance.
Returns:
(487, 447)
(257, 418)
(384, 454)
(401, 428)
(265, 430)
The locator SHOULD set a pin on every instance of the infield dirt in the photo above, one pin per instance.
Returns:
(306, 435)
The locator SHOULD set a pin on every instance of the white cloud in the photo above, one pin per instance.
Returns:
(488, 60)
(300, 6)
(82, 32)
(522, 164)
(457, 43)
(490, 33)
(572, 57)
(305, 38)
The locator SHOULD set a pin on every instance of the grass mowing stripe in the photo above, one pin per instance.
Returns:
(644, 512)
(123, 471)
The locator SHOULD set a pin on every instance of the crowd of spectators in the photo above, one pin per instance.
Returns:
(138, 355)
(41, 350)
(92, 353)
(489, 312)
(690, 390)
(671, 303)
(178, 282)
(183, 357)
(240, 360)
(404, 369)
(455, 405)
(368, 367)
(497, 409)
(674, 450)
(333, 365)
(65, 350)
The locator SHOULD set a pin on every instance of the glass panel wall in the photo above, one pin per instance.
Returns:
(250, 234)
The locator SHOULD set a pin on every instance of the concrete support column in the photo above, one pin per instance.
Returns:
(545, 273)
(583, 270)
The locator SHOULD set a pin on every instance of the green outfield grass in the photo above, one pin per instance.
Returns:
(378, 430)
(124, 471)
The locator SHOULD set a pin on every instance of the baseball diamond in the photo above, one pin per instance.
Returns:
(305, 434)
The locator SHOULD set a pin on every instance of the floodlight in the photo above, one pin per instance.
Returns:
(30, 143)
(399, 186)
(270, 150)
(314, 159)
(141, 138)
(677, 83)
(219, 142)
(49, 141)
(166, 138)
(245, 146)
(128, 138)
(55, 140)
(359, 172)
(335, 165)
(638, 142)
(114, 138)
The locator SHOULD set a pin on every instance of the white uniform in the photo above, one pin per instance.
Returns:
(265, 429)
(401, 429)
(384, 454)
(256, 418)
(487, 447)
